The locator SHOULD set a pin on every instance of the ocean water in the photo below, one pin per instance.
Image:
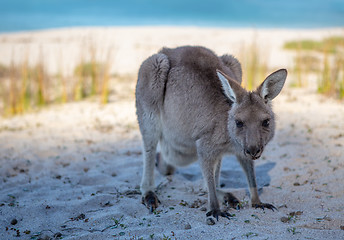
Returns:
(21, 15)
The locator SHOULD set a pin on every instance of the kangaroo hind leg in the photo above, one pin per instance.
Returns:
(163, 167)
(149, 98)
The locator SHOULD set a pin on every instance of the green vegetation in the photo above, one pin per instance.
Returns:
(292, 230)
(250, 234)
(331, 80)
(304, 45)
(24, 88)
(254, 68)
(324, 59)
(89, 76)
(329, 45)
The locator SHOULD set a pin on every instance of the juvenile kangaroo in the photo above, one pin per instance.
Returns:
(190, 102)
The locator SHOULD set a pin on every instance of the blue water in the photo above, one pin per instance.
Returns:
(19, 15)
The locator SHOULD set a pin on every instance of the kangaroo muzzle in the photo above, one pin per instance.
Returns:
(253, 152)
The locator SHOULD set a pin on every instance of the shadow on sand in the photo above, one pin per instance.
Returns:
(232, 175)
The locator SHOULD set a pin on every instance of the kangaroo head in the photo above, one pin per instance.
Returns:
(251, 122)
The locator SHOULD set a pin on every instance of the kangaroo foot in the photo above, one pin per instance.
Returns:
(264, 205)
(163, 167)
(217, 212)
(230, 200)
(151, 201)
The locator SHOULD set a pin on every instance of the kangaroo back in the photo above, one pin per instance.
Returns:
(152, 78)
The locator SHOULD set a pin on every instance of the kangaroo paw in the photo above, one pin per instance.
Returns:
(217, 212)
(264, 205)
(230, 200)
(151, 201)
(164, 168)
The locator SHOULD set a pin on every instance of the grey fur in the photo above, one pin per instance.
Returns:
(233, 63)
(183, 105)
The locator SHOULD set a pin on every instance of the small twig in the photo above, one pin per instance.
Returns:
(108, 227)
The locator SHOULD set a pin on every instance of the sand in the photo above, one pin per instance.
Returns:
(72, 171)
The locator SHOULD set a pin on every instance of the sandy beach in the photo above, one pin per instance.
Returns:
(73, 171)
(63, 48)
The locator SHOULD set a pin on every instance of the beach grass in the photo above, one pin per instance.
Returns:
(329, 44)
(323, 58)
(25, 88)
(254, 67)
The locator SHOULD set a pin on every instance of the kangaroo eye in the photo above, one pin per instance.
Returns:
(266, 123)
(239, 123)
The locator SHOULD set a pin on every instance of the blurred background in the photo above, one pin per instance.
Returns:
(60, 51)
(19, 15)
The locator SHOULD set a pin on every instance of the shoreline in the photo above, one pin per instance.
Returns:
(295, 29)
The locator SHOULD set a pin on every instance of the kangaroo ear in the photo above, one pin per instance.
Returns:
(230, 87)
(272, 85)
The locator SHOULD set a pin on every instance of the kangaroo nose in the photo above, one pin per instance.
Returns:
(253, 151)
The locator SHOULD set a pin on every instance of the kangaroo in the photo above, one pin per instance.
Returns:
(190, 102)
